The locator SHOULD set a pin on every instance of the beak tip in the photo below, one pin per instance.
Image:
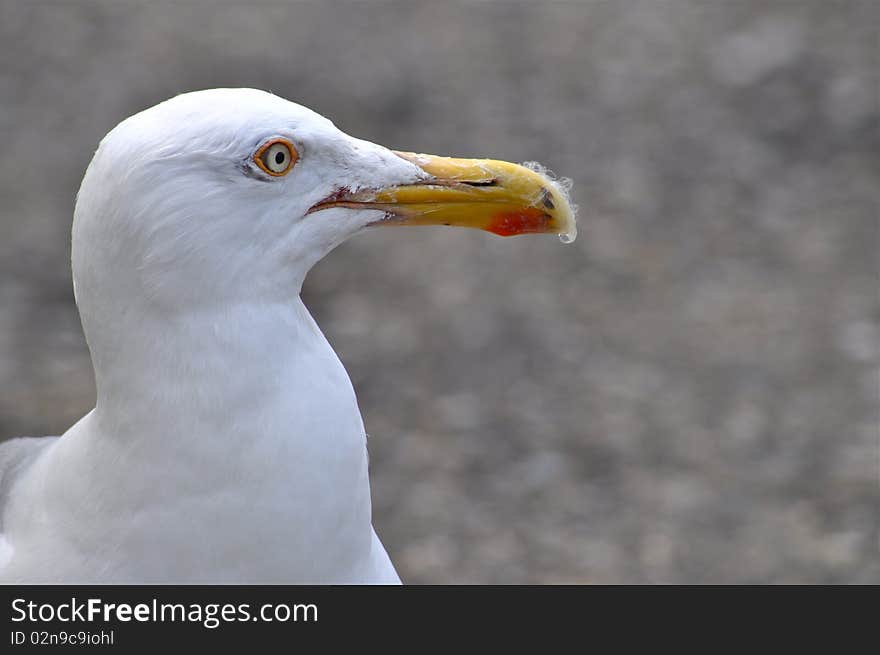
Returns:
(567, 224)
(557, 201)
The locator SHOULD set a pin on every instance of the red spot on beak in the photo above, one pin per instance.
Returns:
(519, 221)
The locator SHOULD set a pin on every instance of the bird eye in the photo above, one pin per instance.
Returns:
(276, 157)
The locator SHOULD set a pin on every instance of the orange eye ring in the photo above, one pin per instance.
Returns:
(276, 157)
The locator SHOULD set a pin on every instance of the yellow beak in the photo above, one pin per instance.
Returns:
(496, 196)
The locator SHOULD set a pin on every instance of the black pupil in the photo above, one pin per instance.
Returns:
(279, 157)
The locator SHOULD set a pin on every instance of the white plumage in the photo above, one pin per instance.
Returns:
(226, 445)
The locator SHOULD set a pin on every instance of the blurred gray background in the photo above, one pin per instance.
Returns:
(689, 393)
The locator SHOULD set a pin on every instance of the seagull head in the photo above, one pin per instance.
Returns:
(224, 195)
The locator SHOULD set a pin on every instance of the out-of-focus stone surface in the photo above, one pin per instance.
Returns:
(689, 393)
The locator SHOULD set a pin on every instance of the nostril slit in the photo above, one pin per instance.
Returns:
(547, 199)
(492, 182)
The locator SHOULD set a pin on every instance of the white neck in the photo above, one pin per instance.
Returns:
(257, 428)
(201, 364)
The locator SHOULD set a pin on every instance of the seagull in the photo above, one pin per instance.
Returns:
(226, 444)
